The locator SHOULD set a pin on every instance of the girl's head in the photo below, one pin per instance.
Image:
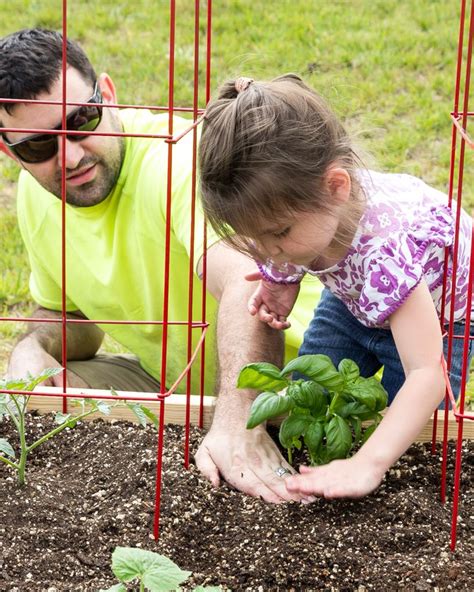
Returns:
(267, 153)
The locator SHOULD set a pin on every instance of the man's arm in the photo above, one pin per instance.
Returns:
(246, 459)
(41, 346)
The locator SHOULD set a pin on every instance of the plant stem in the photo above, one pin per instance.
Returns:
(60, 428)
(23, 450)
(9, 462)
(12, 415)
(142, 586)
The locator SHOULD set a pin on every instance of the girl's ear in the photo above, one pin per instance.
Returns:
(107, 88)
(338, 183)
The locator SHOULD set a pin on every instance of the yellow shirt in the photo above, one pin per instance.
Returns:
(115, 254)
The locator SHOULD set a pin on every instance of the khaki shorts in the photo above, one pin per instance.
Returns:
(119, 371)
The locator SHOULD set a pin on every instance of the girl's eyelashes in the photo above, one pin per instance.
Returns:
(282, 233)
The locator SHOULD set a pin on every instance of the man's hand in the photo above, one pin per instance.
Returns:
(353, 477)
(247, 460)
(272, 303)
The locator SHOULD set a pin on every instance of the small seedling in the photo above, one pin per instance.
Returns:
(15, 407)
(154, 572)
(325, 412)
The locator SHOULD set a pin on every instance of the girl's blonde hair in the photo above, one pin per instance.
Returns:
(263, 155)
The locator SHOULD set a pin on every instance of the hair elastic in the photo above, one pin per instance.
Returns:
(243, 83)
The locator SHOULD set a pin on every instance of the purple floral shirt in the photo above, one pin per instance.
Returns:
(400, 240)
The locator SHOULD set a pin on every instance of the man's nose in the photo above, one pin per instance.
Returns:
(74, 153)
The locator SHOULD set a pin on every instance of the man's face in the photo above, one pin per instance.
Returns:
(92, 164)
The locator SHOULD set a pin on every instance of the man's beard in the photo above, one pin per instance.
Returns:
(107, 174)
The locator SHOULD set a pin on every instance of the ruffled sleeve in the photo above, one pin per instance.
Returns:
(286, 273)
(405, 258)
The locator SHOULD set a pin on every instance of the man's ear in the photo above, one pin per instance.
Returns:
(338, 182)
(107, 88)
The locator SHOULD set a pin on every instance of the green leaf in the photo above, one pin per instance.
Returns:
(370, 415)
(6, 448)
(61, 418)
(261, 376)
(363, 393)
(103, 407)
(157, 572)
(29, 383)
(340, 405)
(356, 424)
(356, 409)
(150, 415)
(319, 368)
(308, 395)
(313, 436)
(338, 438)
(381, 396)
(293, 427)
(368, 432)
(115, 588)
(138, 411)
(266, 406)
(349, 371)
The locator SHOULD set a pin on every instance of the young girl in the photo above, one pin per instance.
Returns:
(281, 181)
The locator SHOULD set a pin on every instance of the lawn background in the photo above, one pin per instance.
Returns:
(386, 66)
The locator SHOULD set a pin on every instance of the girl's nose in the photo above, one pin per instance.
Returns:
(270, 247)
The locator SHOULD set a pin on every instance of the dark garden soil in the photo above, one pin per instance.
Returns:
(92, 489)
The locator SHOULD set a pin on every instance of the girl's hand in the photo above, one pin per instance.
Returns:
(272, 303)
(353, 478)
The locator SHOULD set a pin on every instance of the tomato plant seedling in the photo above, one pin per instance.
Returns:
(15, 406)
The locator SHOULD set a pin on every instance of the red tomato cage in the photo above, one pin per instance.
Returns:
(195, 353)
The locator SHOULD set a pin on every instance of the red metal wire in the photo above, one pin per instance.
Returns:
(192, 233)
(63, 207)
(195, 324)
(164, 341)
(208, 51)
(457, 470)
(446, 253)
(103, 105)
(204, 252)
(167, 137)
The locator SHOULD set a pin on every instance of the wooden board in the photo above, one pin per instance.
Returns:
(175, 406)
(175, 411)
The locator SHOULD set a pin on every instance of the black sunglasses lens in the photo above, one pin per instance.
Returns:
(39, 149)
(85, 119)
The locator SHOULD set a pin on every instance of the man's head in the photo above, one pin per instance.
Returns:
(31, 68)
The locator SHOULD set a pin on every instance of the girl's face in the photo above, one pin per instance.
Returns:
(312, 238)
(307, 238)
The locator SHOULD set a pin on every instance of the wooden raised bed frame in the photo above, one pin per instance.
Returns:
(175, 406)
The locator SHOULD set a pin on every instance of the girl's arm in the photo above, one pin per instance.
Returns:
(417, 334)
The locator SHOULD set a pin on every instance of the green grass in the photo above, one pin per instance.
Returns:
(387, 67)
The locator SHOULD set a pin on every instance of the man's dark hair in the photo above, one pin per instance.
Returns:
(30, 63)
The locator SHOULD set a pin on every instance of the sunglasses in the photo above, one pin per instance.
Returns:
(42, 147)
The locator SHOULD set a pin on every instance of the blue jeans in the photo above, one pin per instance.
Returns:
(335, 331)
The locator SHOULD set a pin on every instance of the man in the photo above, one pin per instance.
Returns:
(115, 244)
